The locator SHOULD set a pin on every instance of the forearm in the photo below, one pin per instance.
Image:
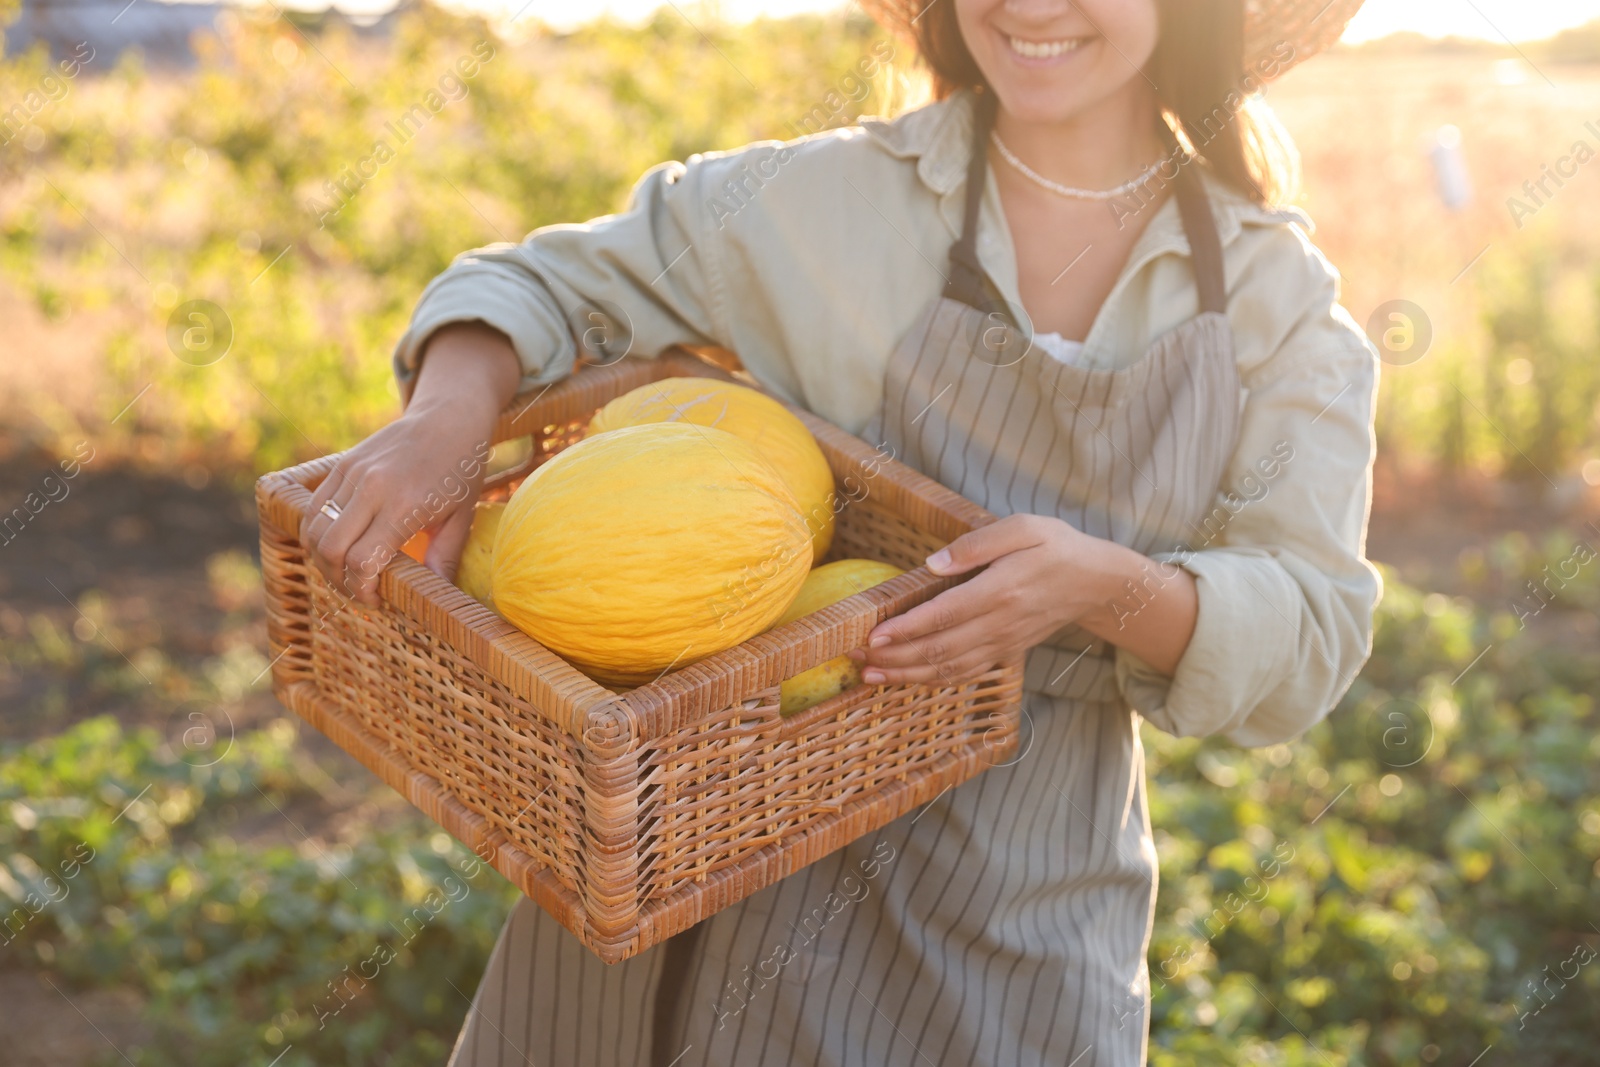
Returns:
(1146, 606)
(466, 367)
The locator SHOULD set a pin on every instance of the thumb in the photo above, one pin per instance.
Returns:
(448, 541)
(980, 547)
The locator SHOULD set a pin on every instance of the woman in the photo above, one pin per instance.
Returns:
(1037, 292)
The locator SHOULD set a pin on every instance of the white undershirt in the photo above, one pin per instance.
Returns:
(1059, 348)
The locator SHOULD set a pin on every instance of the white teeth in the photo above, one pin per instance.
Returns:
(1042, 49)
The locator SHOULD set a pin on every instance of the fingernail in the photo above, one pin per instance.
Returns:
(939, 560)
(879, 641)
(872, 677)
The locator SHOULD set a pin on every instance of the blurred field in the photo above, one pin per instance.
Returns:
(135, 194)
(1437, 840)
(1365, 121)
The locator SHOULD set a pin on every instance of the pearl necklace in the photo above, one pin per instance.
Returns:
(1066, 190)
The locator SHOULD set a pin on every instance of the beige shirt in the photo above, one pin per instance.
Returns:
(812, 258)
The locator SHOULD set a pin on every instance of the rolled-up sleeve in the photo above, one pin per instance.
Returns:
(1286, 594)
(632, 283)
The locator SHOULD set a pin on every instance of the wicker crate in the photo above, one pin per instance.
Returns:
(631, 816)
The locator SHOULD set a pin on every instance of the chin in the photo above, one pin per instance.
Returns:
(1041, 105)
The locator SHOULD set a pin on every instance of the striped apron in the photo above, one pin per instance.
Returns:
(1007, 921)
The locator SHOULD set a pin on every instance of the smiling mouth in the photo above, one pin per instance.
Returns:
(1044, 49)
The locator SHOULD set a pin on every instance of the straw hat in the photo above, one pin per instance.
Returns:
(1309, 26)
(1306, 27)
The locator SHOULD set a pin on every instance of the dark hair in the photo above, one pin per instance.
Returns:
(1204, 88)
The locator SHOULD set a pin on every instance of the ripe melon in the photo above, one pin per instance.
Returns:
(828, 584)
(417, 546)
(475, 574)
(647, 548)
(743, 412)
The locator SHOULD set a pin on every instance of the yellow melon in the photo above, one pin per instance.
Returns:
(475, 574)
(745, 413)
(647, 548)
(828, 584)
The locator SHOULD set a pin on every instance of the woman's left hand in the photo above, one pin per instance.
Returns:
(1042, 574)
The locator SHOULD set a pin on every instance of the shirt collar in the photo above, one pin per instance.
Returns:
(938, 135)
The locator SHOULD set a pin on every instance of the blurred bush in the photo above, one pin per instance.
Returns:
(121, 865)
(1581, 44)
(1396, 887)
(139, 192)
(257, 184)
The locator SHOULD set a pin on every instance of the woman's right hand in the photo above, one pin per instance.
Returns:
(421, 472)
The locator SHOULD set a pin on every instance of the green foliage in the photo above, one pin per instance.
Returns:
(283, 183)
(1518, 397)
(1388, 886)
(190, 882)
(1541, 380)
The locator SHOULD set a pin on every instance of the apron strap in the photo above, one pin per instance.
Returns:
(1205, 247)
(966, 281)
(966, 274)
